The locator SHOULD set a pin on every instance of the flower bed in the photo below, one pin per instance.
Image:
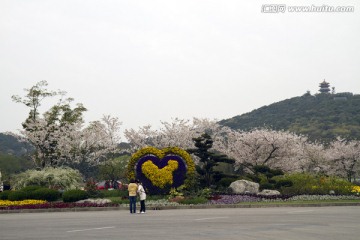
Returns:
(33, 205)
(355, 189)
(323, 197)
(8, 203)
(235, 199)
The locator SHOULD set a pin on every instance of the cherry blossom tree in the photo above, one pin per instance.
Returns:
(344, 158)
(97, 142)
(316, 159)
(59, 135)
(64, 144)
(178, 133)
(275, 149)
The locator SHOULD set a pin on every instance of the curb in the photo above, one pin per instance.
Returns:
(85, 209)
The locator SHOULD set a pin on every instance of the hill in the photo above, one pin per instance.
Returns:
(321, 116)
(11, 145)
(13, 155)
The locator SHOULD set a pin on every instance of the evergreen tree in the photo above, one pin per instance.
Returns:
(208, 176)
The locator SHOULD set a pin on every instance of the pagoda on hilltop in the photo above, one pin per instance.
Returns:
(324, 87)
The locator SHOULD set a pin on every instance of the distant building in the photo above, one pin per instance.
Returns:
(343, 96)
(340, 98)
(324, 87)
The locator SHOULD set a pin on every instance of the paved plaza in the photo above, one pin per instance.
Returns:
(288, 223)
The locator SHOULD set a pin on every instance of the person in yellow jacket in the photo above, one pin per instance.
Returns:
(132, 188)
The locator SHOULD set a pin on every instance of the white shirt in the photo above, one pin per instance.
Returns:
(141, 192)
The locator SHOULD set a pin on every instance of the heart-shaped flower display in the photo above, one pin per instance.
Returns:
(160, 177)
(160, 170)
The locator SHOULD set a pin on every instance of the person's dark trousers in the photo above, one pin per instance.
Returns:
(132, 204)
(142, 206)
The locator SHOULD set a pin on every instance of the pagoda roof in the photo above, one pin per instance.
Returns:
(324, 82)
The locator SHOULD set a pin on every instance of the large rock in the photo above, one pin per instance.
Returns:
(268, 192)
(244, 186)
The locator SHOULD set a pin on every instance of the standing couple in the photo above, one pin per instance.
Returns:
(134, 188)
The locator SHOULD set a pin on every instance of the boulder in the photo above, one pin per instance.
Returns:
(244, 186)
(268, 192)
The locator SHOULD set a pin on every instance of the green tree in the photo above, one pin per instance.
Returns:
(10, 164)
(52, 131)
(114, 169)
(265, 176)
(35, 95)
(208, 176)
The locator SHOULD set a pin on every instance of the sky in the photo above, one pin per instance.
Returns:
(151, 61)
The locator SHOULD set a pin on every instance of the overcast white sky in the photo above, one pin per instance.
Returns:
(151, 61)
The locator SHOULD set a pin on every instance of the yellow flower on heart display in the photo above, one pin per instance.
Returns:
(161, 170)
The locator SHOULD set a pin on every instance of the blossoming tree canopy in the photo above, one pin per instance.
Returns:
(160, 170)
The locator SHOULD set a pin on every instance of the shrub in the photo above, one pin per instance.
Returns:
(265, 176)
(33, 192)
(266, 186)
(175, 193)
(272, 181)
(49, 195)
(61, 178)
(31, 188)
(95, 194)
(252, 178)
(74, 195)
(17, 196)
(205, 193)
(339, 185)
(91, 190)
(225, 182)
(261, 169)
(303, 183)
(283, 183)
(4, 195)
(114, 193)
(276, 172)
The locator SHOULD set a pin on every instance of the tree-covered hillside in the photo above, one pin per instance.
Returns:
(321, 117)
(13, 155)
(11, 145)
